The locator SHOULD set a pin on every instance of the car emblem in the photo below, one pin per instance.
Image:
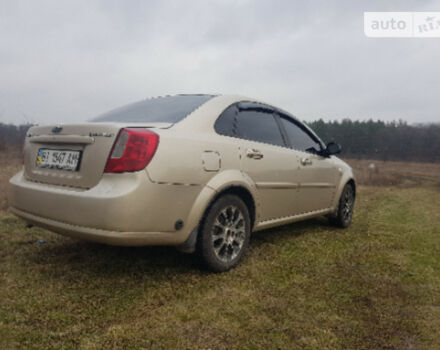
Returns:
(101, 134)
(57, 129)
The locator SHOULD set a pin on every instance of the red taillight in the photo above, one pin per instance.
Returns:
(132, 151)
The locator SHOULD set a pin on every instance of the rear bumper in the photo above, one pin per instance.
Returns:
(101, 236)
(123, 209)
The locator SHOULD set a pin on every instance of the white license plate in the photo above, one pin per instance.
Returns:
(58, 159)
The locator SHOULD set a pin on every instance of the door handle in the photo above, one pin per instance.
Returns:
(306, 161)
(254, 153)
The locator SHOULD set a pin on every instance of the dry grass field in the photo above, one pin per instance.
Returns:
(10, 163)
(382, 173)
(375, 285)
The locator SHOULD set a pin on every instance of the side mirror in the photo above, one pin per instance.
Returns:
(332, 148)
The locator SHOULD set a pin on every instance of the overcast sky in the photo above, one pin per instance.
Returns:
(67, 61)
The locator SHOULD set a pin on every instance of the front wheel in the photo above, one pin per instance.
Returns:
(225, 233)
(343, 215)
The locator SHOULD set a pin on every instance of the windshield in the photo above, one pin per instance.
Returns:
(167, 109)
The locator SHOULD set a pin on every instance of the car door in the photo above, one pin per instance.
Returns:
(317, 175)
(267, 159)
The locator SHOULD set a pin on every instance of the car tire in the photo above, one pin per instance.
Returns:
(344, 214)
(224, 234)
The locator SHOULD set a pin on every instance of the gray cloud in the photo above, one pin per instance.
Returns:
(67, 61)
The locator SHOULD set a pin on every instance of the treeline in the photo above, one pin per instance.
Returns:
(359, 139)
(12, 135)
(382, 140)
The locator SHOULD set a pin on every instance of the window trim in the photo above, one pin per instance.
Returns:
(254, 106)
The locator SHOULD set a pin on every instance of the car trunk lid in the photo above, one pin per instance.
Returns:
(70, 155)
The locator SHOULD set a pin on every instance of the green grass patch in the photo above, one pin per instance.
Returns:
(375, 285)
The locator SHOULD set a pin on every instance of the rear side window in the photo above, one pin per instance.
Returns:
(167, 109)
(258, 126)
(299, 138)
(252, 123)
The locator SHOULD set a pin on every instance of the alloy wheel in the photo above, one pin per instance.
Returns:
(228, 233)
(347, 204)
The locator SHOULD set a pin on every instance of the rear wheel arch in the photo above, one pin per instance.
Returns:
(238, 190)
(239, 183)
(241, 192)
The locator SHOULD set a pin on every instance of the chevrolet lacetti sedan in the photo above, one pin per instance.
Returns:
(199, 172)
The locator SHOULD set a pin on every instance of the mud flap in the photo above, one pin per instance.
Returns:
(189, 246)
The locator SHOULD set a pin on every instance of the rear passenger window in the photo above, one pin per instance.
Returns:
(258, 126)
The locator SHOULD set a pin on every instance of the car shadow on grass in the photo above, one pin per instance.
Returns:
(59, 254)
(99, 259)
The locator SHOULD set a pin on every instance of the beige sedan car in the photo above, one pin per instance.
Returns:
(199, 172)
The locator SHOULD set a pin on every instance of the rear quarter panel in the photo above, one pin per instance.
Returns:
(179, 162)
(179, 158)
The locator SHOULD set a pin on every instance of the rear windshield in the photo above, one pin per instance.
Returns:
(167, 109)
